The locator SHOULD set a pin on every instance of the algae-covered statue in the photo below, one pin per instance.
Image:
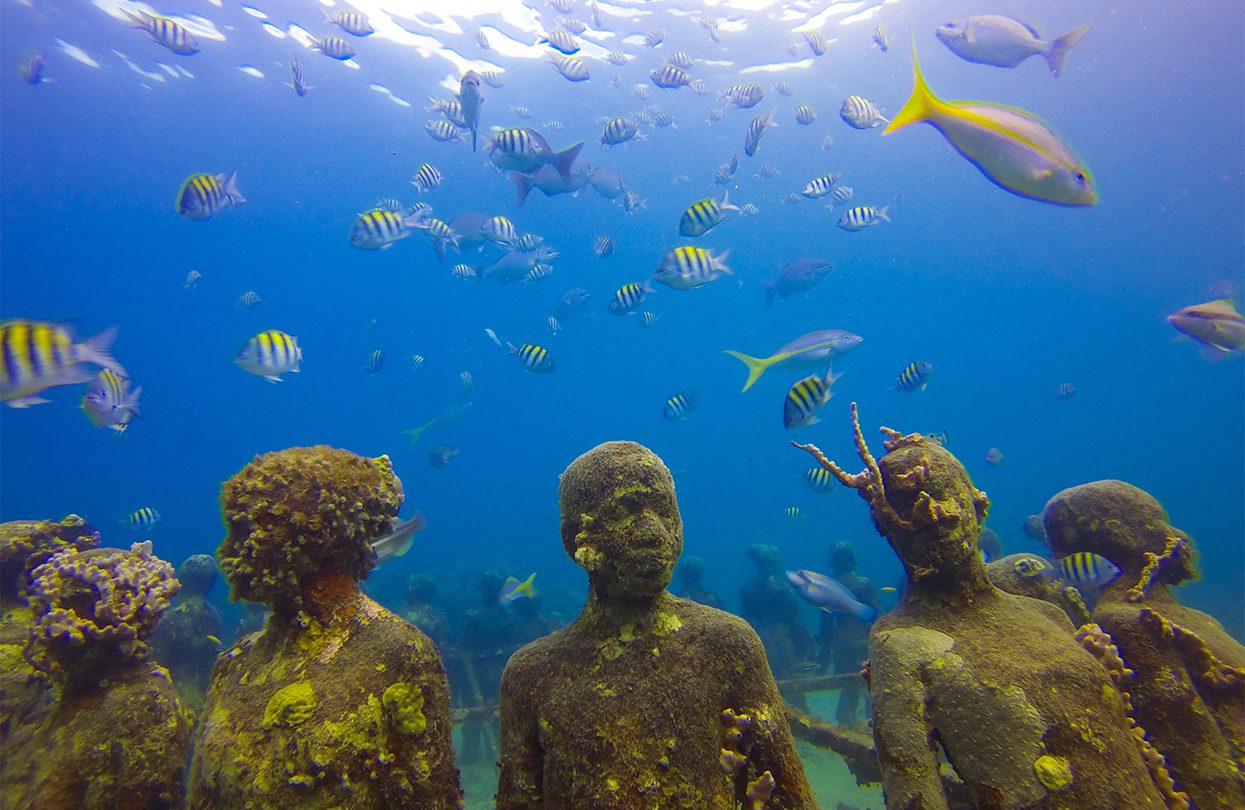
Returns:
(844, 639)
(116, 734)
(1030, 575)
(645, 700)
(1188, 684)
(24, 546)
(188, 638)
(1024, 715)
(336, 702)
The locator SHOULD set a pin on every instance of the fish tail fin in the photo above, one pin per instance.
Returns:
(96, 350)
(400, 540)
(231, 189)
(756, 366)
(921, 105)
(131, 403)
(1057, 53)
(475, 133)
(416, 433)
(564, 160)
(884, 213)
(526, 587)
(726, 204)
(831, 378)
(522, 186)
(719, 263)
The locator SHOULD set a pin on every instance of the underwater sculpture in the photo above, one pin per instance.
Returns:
(645, 700)
(188, 638)
(337, 702)
(767, 602)
(1030, 575)
(24, 546)
(1188, 675)
(845, 639)
(1025, 716)
(116, 734)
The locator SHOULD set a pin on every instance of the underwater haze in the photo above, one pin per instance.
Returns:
(1006, 296)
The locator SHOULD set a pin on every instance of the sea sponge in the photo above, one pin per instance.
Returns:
(404, 704)
(101, 602)
(297, 513)
(1053, 772)
(290, 705)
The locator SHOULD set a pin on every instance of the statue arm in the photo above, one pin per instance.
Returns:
(519, 786)
(902, 733)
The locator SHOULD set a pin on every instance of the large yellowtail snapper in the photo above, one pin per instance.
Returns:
(813, 350)
(1013, 148)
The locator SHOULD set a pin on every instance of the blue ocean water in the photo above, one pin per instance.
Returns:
(1007, 297)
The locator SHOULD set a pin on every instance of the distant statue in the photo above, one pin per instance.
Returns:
(189, 637)
(1188, 684)
(845, 638)
(420, 590)
(690, 571)
(966, 676)
(337, 702)
(645, 700)
(771, 607)
(486, 640)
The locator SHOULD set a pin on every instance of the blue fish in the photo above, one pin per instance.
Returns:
(829, 595)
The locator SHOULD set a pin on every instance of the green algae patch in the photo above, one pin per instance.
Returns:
(667, 622)
(404, 704)
(1053, 772)
(291, 705)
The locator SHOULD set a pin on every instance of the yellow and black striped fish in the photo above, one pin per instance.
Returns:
(427, 177)
(143, 518)
(687, 267)
(628, 297)
(679, 406)
(166, 32)
(379, 228)
(535, 359)
(1085, 568)
(202, 196)
(862, 216)
(375, 362)
(914, 377)
(793, 513)
(820, 186)
(819, 479)
(702, 215)
(333, 47)
(109, 402)
(805, 398)
(270, 354)
(618, 130)
(38, 356)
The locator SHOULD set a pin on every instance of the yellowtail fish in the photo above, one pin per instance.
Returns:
(333, 47)
(202, 196)
(679, 406)
(687, 267)
(819, 479)
(351, 22)
(628, 298)
(1216, 325)
(426, 178)
(914, 377)
(214, 639)
(109, 402)
(398, 540)
(143, 518)
(535, 359)
(1085, 568)
(514, 589)
(805, 398)
(812, 350)
(705, 214)
(163, 31)
(380, 228)
(38, 356)
(270, 354)
(1013, 148)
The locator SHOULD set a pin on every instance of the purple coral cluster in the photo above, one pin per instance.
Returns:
(107, 598)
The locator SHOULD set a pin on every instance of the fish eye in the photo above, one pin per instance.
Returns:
(1080, 177)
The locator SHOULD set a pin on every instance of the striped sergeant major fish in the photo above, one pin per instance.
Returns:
(818, 479)
(881, 39)
(816, 42)
(821, 186)
(163, 31)
(704, 214)
(31, 68)
(914, 377)
(805, 398)
(426, 178)
(560, 41)
(469, 101)
(628, 297)
(687, 267)
(619, 130)
(524, 150)
(109, 402)
(1085, 568)
(38, 356)
(805, 115)
(860, 217)
(669, 77)
(270, 354)
(203, 196)
(603, 247)
(443, 131)
(679, 406)
(859, 112)
(333, 47)
(752, 140)
(572, 68)
(351, 22)
(535, 359)
(840, 195)
(380, 228)
(143, 518)
(297, 80)
(743, 96)
(375, 362)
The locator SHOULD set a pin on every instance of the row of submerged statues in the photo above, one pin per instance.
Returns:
(980, 697)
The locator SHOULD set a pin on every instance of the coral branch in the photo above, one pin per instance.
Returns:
(1154, 565)
(1203, 665)
(847, 479)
